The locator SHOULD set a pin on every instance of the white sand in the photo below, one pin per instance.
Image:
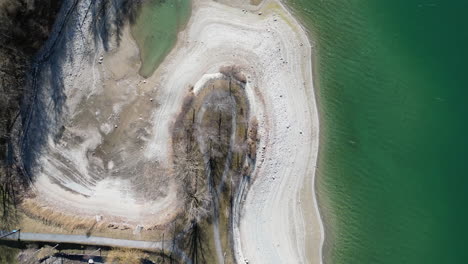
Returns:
(280, 221)
(276, 55)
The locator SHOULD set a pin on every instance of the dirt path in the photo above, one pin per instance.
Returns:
(97, 241)
(88, 240)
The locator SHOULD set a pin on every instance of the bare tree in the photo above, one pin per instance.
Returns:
(189, 169)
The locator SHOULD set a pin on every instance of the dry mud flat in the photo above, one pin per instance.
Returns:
(112, 158)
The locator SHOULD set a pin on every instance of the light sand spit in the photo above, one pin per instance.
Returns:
(273, 51)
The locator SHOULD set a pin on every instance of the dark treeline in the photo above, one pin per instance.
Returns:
(24, 27)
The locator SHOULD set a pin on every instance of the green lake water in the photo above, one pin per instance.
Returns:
(155, 30)
(392, 88)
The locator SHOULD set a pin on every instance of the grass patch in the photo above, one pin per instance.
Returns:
(8, 255)
(127, 256)
(40, 224)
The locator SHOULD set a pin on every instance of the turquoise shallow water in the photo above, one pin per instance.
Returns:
(155, 30)
(393, 99)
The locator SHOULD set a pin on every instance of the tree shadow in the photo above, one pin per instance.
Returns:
(109, 18)
(44, 111)
(196, 244)
(24, 27)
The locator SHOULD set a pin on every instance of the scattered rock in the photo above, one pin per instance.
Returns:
(138, 229)
(260, 13)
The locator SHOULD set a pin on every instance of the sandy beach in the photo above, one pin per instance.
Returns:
(278, 221)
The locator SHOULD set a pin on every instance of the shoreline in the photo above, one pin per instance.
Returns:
(314, 73)
(316, 123)
(274, 53)
(311, 30)
(137, 26)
